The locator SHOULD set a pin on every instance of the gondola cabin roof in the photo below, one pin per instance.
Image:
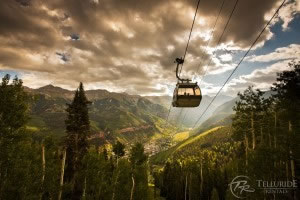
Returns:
(187, 85)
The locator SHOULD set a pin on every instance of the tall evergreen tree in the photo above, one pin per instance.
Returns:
(118, 149)
(248, 109)
(137, 155)
(138, 158)
(13, 106)
(287, 90)
(14, 149)
(78, 129)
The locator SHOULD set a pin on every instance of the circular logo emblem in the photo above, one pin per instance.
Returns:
(239, 187)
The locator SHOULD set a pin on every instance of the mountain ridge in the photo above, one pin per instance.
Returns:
(112, 114)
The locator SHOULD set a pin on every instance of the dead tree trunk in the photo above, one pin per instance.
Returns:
(185, 189)
(190, 187)
(275, 131)
(62, 173)
(246, 149)
(293, 174)
(287, 170)
(84, 188)
(43, 169)
(115, 183)
(261, 135)
(270, 138)
(132, 188)
(201, 177)
(252, 131)
(291, 154)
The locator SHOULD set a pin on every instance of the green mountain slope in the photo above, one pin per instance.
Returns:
(192, 145)
(188, 116)
(222, 113)
(112, 114)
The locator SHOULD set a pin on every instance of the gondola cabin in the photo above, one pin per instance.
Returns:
(187, 95)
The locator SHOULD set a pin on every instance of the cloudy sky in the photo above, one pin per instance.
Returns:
(130, 45)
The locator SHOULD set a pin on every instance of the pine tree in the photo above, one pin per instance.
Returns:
(13, 117)
(139, 177)
(137, 155)
(248, 109)
(118, 149)
(13, 107)
(77, 129)
(105, 154)
(287, 90)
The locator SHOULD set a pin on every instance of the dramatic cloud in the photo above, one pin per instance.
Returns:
(264, 78)
(290, 52)
(259, 78)
(288, 12)
(226, 57)
(127, 45)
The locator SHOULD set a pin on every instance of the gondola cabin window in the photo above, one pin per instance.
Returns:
(185, 91)
(197, 91)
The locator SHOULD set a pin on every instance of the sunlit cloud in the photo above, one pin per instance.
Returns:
(226, 57)
(129, 45)
(290, 52)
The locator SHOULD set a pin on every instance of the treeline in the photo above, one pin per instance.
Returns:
(68, 169)
(264, 146)
(199, 170)
(262, 143)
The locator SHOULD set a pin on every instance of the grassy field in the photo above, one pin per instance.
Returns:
(210, 136)
(178, 137)
(193, 139)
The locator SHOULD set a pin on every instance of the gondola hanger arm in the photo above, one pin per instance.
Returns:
(180, 61)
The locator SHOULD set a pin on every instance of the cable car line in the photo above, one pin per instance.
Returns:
(213, 30)
(184, 116)
(188, 42)
(186, 93)
(168, 117)
(220, 38)
(186, 48)
(212, 34)
(179, 116)
(240, 61)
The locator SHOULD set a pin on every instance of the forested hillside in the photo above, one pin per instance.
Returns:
(112, 114)
(70, 168)
(261, 141)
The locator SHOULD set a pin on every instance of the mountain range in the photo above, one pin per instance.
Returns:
(120, 115)
(111, 114)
